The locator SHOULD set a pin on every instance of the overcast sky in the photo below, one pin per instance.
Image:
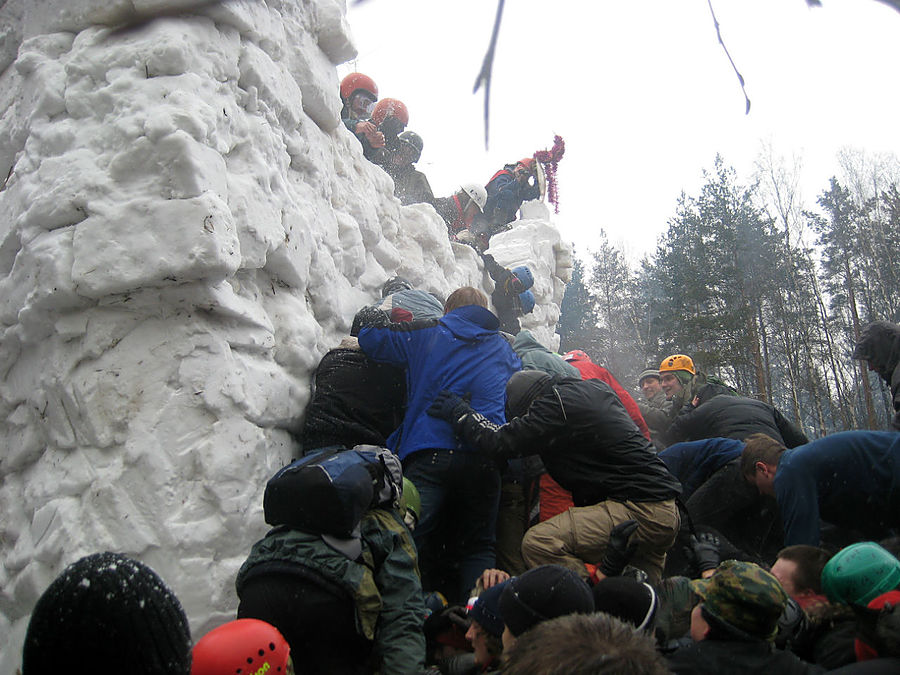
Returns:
(642, 93)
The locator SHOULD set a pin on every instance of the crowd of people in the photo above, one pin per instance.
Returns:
(464, 500)
(474, 212)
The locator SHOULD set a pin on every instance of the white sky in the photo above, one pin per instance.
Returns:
(642, 93)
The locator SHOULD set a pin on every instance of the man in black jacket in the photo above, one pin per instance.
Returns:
(721, 416)
(591, 447)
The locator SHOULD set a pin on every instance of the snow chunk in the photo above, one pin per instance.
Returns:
(151, 242)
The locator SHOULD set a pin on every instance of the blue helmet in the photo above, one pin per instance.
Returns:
(524, 275)
(526, 299)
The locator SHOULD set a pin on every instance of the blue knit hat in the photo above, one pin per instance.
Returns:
(486, 610)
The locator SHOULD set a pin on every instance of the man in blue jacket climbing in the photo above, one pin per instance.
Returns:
(459, 486)
(850, 479)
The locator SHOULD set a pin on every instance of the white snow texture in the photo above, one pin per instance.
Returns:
(185, 228)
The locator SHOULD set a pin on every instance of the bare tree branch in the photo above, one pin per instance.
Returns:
(484, 77)
(736, 72)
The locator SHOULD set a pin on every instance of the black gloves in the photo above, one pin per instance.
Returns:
(447, 619)
(619, 551)
(369, 316)
(449, 406)
(706, 551)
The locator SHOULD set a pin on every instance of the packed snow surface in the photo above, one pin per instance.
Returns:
(185, 228)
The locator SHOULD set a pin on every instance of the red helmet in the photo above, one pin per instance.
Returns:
(390, 107)
(355, 81)
(243, 645)
(528, 163)
(576, 355)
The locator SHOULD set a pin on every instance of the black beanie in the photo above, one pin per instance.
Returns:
(522, 389)
(107, 613)
(627, 599)
(543, 593)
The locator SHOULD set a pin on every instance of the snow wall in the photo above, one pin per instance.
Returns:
(185, 228)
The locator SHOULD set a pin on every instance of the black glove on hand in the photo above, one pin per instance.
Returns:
(446, 619)
(448, 406)
(619, 551)
(706, 551)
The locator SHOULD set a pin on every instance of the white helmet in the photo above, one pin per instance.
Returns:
(476, 193)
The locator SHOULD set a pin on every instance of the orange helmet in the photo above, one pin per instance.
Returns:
(576, 355)
(243, 645)
(355, 81)
(677, 362)
(390, 107)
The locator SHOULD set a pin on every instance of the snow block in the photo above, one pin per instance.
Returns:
(181, 167)
(154, 242)
(333, 31)
(317, 78)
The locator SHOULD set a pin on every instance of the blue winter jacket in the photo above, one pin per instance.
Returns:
(850, 479)
(463, 352)
(505, 195)
(693, 462)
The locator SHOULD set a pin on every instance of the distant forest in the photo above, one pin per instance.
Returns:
(759, 290)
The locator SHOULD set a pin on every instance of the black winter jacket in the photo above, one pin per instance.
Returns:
(356, 400)
(586, 439)
(716, 657)
(735, 417)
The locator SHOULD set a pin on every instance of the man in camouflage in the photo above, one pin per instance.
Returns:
(735, 623)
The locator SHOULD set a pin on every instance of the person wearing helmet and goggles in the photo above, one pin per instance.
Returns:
(410, 185)
(359, 94)
(459, 209)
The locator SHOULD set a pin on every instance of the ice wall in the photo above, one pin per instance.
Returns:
(185, 228)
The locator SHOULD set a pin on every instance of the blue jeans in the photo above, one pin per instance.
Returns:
(460, 492)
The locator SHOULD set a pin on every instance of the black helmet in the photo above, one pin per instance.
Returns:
(393, 285)
(521, 390)
(413, 139)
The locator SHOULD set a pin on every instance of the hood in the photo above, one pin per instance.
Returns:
(879, 344)
(526, 342)
(471, 322)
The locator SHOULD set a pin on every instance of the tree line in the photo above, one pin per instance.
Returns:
(759, 290)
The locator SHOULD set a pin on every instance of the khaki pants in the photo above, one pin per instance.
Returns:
(580, 535)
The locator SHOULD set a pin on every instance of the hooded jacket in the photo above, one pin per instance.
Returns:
(879, 344)
(536, 356)
(586, 439)
(463, 352)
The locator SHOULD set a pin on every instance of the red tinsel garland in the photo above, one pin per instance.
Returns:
(549, 159)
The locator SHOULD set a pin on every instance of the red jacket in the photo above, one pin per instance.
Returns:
(591, 371)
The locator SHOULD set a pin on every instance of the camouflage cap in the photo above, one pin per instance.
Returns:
(744, 596)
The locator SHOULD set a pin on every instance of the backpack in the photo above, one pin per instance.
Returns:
(329, 491)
